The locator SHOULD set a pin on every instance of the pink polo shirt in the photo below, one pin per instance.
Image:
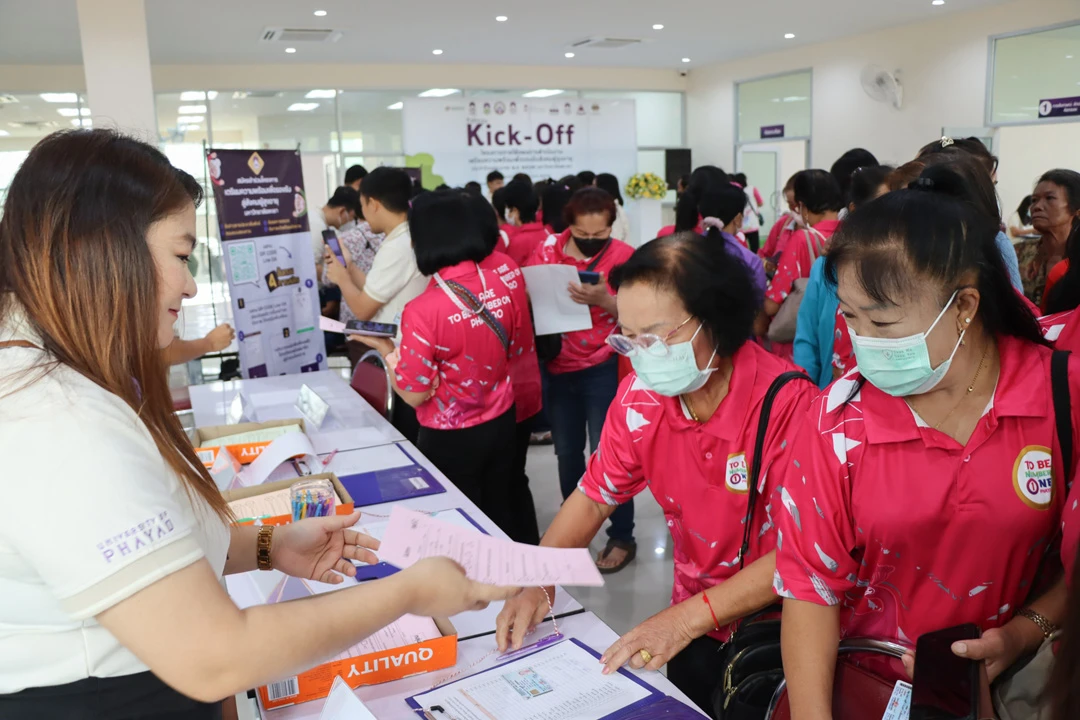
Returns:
(524, 366)
(796, 260)
(698, 471)
(524, 240)
(471, 362)
(907, 530)
(583, 348)
(778, 237)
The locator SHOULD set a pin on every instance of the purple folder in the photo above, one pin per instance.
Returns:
(391, 484)
(655, 705)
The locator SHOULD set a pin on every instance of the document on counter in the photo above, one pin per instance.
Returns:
(377, 529)
(342, 704)
(562, 682)
(412, 536)
(553, 310)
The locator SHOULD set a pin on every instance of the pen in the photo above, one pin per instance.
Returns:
(329, 458)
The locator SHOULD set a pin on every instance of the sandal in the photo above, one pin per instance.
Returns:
(631, 553)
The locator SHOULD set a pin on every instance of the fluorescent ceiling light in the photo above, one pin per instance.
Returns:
(436, 52)
(187, 128)
(657, 26)
(396, 106)
(4, 133)
(74, 112)
(290, 50)
(789, 36)
(938, 2)
(191, 109)
(190, 119)
(569, 55)
(302, 107)
(686, 59)
(196, 95)
(542, 93)
(321, 94)
(60, 97)
(82, 122)
(320, 13)
(501, 18)
(795, 98)
(439, 92)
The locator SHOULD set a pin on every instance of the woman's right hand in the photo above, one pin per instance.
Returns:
(521, 615)
(437, 587)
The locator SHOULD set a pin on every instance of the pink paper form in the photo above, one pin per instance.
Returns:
(412, 536)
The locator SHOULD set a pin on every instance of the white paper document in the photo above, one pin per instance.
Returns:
(285, 447)
(560, 683)
(342, 704)
(412, 536)
(553, 310)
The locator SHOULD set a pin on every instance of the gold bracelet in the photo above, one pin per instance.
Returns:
(1048, 628)
(262, 547)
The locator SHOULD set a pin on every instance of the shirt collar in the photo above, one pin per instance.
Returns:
(1019, 393)
(827, 227)
(402, 229)
(462, 269)
(730, 417)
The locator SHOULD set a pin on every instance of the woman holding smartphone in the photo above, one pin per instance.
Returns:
(121, 613)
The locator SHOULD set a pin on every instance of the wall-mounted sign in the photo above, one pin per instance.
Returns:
(769, 132)
(1060, 107)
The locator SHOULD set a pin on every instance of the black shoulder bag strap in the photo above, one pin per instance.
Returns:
(1059, 388)
(596, 260)
(478, 308)
(759, 449)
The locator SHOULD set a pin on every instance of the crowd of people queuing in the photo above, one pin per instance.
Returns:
(862, 419)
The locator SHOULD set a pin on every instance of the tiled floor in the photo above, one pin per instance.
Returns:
(639, 590)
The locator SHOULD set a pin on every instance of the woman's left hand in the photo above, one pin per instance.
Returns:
(997, 646)
(320, 548)
(586, 294)
(663, 636)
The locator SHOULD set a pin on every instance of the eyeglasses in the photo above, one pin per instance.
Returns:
(653, 345)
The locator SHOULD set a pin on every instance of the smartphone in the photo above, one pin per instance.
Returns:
(588, 278)
(946, 686)
(331, 239)
(371, 329)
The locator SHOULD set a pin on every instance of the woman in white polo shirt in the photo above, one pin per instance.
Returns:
(114, 537)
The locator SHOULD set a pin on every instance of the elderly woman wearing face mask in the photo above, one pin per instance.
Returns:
(684, 424)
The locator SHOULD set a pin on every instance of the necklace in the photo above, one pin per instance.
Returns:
(970, 388)
(690, 408)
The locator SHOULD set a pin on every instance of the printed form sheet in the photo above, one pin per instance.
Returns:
(412, 536)
(560, 683)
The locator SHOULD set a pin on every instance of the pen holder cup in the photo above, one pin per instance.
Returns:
(312, 498)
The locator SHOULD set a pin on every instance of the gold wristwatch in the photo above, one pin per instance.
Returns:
(1048, 628)
(262, 547)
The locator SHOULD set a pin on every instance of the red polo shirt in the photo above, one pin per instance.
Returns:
(524, 240)
(778, 237)
(524, 367)
(1063, 329)
(437, 337)
(697, 472)
(907, 530)
(796, 261)
(584, 348)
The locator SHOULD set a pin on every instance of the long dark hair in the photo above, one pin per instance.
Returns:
(73, 254)
(607, 181)
(553, 202)
(931, 230)
(686, 209)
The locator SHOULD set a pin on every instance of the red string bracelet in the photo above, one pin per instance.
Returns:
(716, 623)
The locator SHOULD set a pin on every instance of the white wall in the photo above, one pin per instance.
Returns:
(944, 68)
(1027, 151)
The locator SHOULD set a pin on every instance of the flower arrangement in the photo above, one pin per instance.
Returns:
(648, 186)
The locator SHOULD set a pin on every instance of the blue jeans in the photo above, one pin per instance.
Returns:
(578, 402)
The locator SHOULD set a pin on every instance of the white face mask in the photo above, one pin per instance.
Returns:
(901, 366)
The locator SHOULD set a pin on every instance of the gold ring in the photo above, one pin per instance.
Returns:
(646, 656)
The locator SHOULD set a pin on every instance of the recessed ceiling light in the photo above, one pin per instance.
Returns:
(436, 52)
(789, 36)
(938, 2)
(290, 50)
(74, 112)
(59, 97)
(191, 109)
(542, 93)
(1068, 57)
(657, 26)
(439, 92)
(569, 55)
(4, 133)
(320, 13)
(302, 107)
(686, 59)
(193, 95)
(501, 18)
(188, 128)
(396, 106)
(321, 94)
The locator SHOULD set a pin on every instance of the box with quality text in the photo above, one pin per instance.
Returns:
(344, 507)
(245, 452)
(369, 669)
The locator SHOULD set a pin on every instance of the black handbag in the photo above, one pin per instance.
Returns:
(548, 347)
(751, 665)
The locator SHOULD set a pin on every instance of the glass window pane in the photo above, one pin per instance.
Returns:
(368, 125)
(1031, 68)
(781, 100)
(263, 120)
(659, 115)
(26, 119)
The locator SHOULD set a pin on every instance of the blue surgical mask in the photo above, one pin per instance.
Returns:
(673, 374)
(901, 366)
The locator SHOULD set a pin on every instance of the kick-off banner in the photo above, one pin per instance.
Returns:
(262, 216)
(469, 137)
